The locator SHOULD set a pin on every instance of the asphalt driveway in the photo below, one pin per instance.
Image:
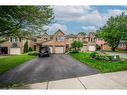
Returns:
(55, 67)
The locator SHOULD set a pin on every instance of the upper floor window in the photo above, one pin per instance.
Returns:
(45, 39)
(60, 38)
(14, 39)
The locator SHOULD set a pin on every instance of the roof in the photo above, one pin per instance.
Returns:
(45, 34)
(59, 31)
(71, 36)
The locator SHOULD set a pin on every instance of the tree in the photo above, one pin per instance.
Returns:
(30, 49)
(114, 31)
(20, 20)
(82, 33)
(76, 45)
(26, 47)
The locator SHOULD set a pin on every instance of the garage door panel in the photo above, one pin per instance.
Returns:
(59, 49)
(92, 48)
(15, 51)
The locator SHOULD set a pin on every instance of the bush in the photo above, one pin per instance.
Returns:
(102, 57)
(26, 47)
(98, 47)
(30, 49)
(33, 53)
(99, 56)
(93, 54)
(74, 51)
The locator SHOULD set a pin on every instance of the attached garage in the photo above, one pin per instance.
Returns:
(91, 48)
(15, 51)
(59, 49)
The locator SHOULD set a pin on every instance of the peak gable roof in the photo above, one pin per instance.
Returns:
(59, 31)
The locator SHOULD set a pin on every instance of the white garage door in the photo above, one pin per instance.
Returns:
(15, 51)
(51, 49)
(59, 49)
(92, 48)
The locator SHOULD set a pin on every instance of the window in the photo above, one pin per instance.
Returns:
(60, 38)
(14, 39)
(45, 39)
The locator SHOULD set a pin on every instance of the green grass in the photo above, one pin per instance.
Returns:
(101, 66)
(119, 51)
(122, 51)
(7, 63)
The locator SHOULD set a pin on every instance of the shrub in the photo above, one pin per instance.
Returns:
(98, 47)
(99, 56)
(33, 53)
(102, 57)
(26, 47)
(93, 54)
(74, 51)
(76, 45)
(30, 49)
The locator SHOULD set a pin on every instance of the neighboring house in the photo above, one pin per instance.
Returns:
(13, 45)
(104, 46)
(122, 45)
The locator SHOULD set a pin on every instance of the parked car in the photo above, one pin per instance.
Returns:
(44, 51)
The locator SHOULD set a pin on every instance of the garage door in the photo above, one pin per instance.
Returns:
(51, 49)
(59, 49)
(15, 51)
(92, 48)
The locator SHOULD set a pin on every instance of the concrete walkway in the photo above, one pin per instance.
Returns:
(117, 80)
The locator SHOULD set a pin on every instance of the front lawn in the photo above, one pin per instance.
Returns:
(102, 66)
(7, 63)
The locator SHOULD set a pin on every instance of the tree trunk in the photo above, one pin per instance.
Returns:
(113, 48)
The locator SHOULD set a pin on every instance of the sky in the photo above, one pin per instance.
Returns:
(75, 19)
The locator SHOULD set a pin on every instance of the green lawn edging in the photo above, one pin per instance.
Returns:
(102, 66)
(7, 63)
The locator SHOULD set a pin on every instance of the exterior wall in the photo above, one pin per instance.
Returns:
(102, 44)
(84, 48)
(8, 44)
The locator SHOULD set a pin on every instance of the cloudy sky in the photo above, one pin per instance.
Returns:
(74, 19)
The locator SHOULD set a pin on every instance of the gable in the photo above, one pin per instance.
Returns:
(59, 33)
